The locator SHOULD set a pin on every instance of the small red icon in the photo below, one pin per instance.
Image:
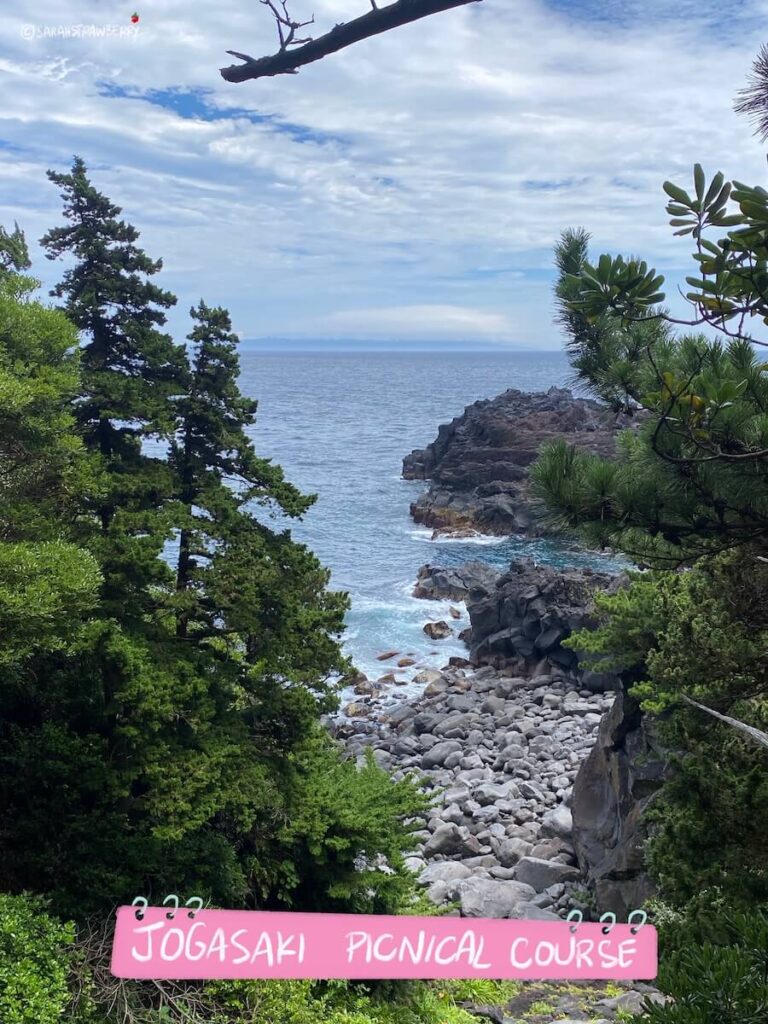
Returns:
(134, 18)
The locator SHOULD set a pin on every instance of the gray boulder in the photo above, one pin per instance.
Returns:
(437, 755)
(511, 851)
(487, 897)
(557, 823)
(451, 840)
(540, 874)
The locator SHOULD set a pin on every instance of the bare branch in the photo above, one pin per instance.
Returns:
(287, 61)
(749, 730)
(286, 26)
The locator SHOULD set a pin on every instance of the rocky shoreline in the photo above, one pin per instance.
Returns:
(500, 755)
(538, 771)
(478, 465)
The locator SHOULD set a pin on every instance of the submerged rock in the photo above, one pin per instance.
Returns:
(438, 630)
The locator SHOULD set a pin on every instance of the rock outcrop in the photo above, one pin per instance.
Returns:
(454, 584)
(528, 613)
(613, 790)
(478, 465)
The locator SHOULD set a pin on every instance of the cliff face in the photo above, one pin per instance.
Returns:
(613, 790)
(479, 462)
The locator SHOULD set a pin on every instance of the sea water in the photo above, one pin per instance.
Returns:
(339, 424)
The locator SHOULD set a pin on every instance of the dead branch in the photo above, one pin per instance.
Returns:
(287, 61)
(749, 730)
(286, 26)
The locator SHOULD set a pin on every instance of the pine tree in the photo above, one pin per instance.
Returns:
(691, 478)
(237, 577)
(130, 369)
(218, 469)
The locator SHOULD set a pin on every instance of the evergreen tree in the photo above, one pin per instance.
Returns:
(238, 579)
(218, 470)
(691, 478)
(136, 757)
(130, 369)
(14, 254)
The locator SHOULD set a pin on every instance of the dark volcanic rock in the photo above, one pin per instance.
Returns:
(612, 791)
(454, 584)
(530, 610)
(479, 462)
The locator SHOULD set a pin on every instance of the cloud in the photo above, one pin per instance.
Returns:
(426, 171)
(418, 322)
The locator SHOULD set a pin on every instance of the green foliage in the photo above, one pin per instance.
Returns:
(45, 590)
(724, 981)
(34, 963)
(42, 465)
(159, 730)
(342, 840)
(130, 373)
(691, 477)
(703, 634)
(14, 254)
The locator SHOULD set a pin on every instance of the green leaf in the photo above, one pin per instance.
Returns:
(604, 268)
(699, 180)
(715, 186)
(678, 194)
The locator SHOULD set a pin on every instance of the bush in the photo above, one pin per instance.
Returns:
(723, 981)
(34, 962)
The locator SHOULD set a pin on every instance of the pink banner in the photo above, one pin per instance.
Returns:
(258, 944)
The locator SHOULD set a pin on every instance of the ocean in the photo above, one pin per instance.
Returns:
(339, 424)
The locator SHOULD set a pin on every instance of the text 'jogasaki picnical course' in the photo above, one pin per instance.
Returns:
(261, 944)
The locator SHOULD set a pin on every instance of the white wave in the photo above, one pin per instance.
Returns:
(484, 539)
(420, 533)
(424, 534)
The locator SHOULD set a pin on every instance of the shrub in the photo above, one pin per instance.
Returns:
(34, 964)
(724, 981)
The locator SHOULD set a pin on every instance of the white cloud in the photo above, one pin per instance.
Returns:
(420, 178)
(418, 322)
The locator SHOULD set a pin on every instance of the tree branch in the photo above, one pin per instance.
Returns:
(749, 730)
(287, 61)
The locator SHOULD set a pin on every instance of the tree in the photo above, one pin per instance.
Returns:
(753, 100)
(687, 641)
(129, 371)
(691, 478)
(14, 254)
(46, 582)
(218, 470)
(287, 61)
(137, 756)
(240, 582)
(688, 489)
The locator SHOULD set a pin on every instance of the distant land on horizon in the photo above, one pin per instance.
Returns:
(310, 345)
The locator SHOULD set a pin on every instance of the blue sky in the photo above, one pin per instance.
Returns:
(408, 188)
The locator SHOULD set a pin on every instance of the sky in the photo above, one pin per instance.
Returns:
(407, 189)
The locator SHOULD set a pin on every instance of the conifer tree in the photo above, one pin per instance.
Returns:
(237, 577)
(130, 369)
(218, 469)
(690, 480)
(14, 254)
